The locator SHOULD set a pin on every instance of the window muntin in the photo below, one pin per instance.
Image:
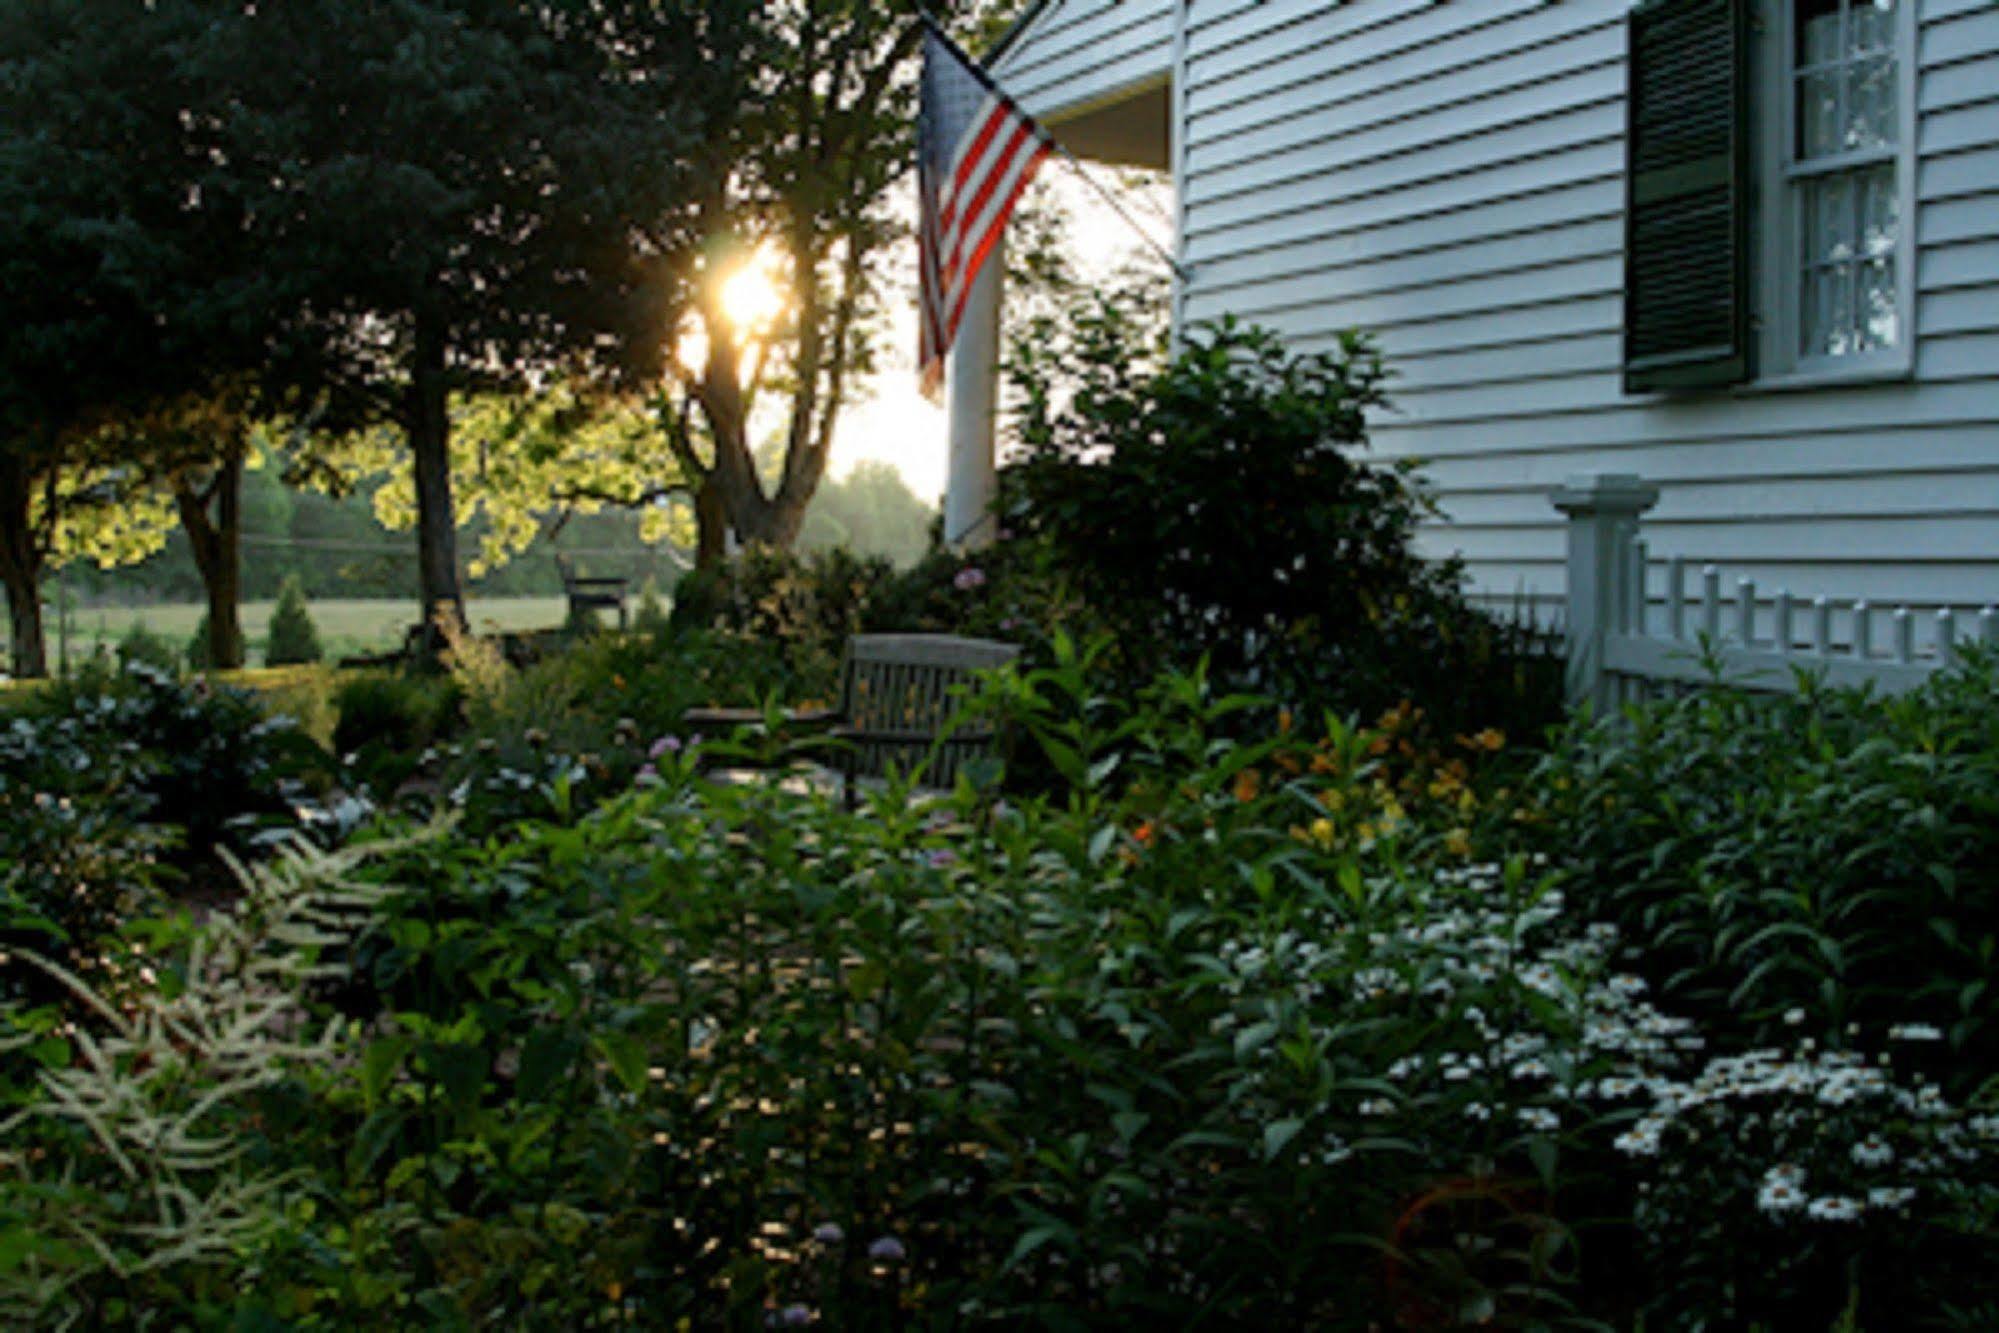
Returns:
(1843, 179)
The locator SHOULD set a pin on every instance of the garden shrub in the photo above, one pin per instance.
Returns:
(203, 760)
(1227, 1032)
(292, 637)
(809, 603)
(400, 712)
(1011, 591)
(1214, 505)
(140, 645)
(1830, 856)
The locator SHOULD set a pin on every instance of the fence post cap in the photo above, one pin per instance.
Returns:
(1605, 493)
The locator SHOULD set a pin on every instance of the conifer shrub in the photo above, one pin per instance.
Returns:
(293, 637)
(651, 618)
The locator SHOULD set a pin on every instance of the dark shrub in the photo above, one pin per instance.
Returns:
(206, 760)
(394, 711)
(142, 647)
(808, 603)
(1216, 507)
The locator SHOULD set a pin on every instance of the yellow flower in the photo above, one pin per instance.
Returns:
(1458, 842)
(1334, 799)
(1492, 738)
(1322, 833)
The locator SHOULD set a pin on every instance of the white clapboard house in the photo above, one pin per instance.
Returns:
(1747, 250)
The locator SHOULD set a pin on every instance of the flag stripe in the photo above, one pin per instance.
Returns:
(977, 152)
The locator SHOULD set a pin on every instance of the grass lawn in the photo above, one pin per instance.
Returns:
(346, 626)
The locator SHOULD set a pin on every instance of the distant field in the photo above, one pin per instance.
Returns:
(346, 627)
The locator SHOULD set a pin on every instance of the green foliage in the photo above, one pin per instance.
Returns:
(1011, 591)
(1237, 1027)
(650, 619)
(197, 645)
(204, 760)
(1215, 507)
(140, 1180)
(392, 715)
(1831, 853)
(140, 646)
(118, 782)
(810, 604)
(292, 637)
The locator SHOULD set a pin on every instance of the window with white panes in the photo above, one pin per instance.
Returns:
(1843, 182)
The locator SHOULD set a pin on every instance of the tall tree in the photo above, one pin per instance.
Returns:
(444, 193)
(93, 201)
(799, 186)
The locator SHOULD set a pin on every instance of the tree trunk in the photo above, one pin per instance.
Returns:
(21, 570)
(216, 544)
(711, 526)
(428, 421)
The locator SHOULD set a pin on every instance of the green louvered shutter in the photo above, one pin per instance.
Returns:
(1686, 270)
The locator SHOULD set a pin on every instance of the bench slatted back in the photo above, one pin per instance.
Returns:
(906, 683)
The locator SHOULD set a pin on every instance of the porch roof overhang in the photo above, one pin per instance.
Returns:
(1101, 81)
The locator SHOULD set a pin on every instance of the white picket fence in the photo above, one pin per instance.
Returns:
(1636, 626)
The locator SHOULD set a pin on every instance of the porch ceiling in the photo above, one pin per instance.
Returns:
(1134, 130)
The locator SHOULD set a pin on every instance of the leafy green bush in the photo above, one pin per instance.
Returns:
(205, 761)
(1225, 1032)
(1829, 856)
(292, 637)
(142, 647)
(1216, 507)
(1011, 591)
(810, 604)
(394, 711)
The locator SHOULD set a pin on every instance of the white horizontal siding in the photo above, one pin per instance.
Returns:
(1076, 54)
(1450, 177)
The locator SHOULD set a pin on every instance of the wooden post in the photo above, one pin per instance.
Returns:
(1603, 512)
(972, 481)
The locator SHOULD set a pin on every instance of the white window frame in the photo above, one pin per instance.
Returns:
(1779, 225)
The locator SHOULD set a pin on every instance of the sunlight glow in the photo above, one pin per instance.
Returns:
(751, 297)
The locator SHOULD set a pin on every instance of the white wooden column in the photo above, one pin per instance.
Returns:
(1603, 511)
(972, 480)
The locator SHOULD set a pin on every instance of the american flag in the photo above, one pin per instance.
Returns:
(976, 152)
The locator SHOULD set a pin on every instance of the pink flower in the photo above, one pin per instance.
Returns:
(970, 577)
(664, 745)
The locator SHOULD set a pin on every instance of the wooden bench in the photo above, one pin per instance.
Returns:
(591, 594)
(897, 692)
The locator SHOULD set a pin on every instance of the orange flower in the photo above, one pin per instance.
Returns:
(1284, 722)
(1144, 834)
(1247, 785)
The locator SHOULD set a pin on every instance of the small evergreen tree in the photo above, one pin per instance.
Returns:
(293, 638)
(651, 617)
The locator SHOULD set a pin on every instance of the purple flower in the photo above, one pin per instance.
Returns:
(648, 774)
(664, 745)
(887, 1250)
(970, 577)
(828, 1233)
(939, 857)
(791, 1316)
